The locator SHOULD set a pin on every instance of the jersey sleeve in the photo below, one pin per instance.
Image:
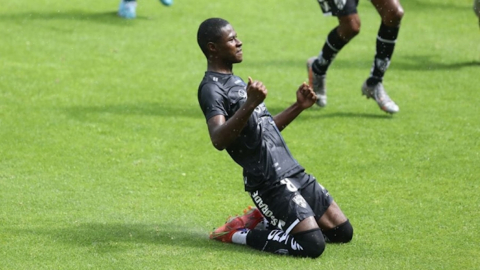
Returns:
(212, 100)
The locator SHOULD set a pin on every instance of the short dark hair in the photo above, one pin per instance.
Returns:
(209, 31)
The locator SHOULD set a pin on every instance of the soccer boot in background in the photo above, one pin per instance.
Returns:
(317, 82)
(377, 92)
(127, 9)
(167, 2)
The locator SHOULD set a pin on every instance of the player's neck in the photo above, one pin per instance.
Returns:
(220, 67)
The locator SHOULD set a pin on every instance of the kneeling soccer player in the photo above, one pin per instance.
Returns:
(300, 213)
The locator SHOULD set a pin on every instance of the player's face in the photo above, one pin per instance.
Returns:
(230, 47)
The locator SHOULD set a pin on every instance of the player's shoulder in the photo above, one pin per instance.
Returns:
(210, 87)
(213, 81)
(222, 79)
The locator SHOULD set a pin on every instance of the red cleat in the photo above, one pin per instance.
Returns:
(225, 232)
(251, 217)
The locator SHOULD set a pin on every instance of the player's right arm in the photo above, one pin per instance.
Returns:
(224, 132)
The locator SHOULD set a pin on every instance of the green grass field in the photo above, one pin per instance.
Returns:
(106, 163)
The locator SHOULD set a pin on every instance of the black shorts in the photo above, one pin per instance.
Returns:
(291, 200)
(338, 7)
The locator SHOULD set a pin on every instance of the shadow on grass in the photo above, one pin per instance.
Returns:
(87, 113)
(74, 15)
(145, 109)
(316, 113)
(113, 237)
(427, 62)
(434, 5)
(411, 62)
(380, 115)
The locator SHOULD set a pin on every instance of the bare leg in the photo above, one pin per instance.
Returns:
(332, 217)
(305, 225)
(335, 227)
(391, 11)
(348, 26)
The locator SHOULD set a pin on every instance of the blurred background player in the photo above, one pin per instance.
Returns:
(476, 9)
(391, 13)
(128, 8)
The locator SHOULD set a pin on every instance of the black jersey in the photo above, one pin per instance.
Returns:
(260, 149)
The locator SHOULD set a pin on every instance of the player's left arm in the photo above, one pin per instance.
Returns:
(305, 99)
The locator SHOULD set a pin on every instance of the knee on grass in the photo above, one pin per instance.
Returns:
(343, 233)
(311, 242)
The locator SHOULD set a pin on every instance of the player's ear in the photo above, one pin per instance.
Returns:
(211, 47)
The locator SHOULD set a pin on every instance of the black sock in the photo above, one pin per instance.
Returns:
(332, 46)
(304, 244)
(387, 36)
